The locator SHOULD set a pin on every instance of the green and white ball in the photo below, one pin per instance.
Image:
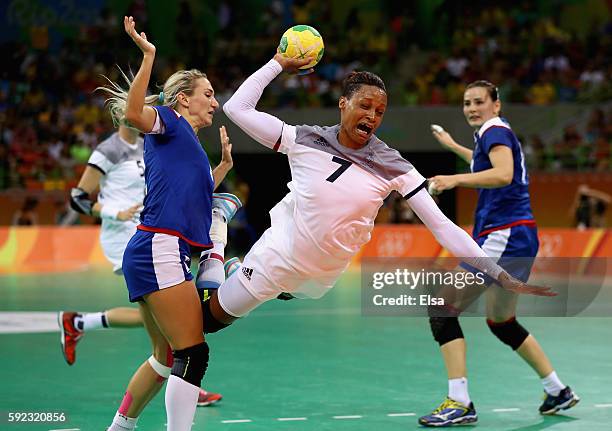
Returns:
(302, 41)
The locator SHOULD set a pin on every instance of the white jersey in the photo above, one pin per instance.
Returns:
(338, 191)
(122, 186)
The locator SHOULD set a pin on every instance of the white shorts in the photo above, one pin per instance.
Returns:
(237, 300)
(114, 236)
(273, 265)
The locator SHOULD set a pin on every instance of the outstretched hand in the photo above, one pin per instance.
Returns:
(140, 39)
(292, 65)
(511, 284)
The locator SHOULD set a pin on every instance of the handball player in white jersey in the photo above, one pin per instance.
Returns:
(340, 177)
(116, 166)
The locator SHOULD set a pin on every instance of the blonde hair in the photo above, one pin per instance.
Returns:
(183, 81)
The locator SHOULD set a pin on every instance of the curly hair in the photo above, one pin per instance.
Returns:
(355, 80)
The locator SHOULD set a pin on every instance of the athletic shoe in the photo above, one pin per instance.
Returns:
(450, 413)
(566, 399)
(231, 266)
(208, 398)
(227, 204)
(69, 335)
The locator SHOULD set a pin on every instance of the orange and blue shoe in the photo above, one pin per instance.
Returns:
(69, 335)
(450, 413)
(565, 400)
(206, 398)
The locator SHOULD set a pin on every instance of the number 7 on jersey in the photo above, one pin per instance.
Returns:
(344, 165)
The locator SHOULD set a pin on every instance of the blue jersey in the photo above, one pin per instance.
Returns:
(179, 182)
(506, 206)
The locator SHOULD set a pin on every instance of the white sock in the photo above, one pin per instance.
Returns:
(458, 390)
(552, 384)
(89, 321)
(210, 272)
(181, 401)
(122, 423)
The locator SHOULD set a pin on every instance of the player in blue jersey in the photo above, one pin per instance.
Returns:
(116, 166)
(506, 230)
(176, 220)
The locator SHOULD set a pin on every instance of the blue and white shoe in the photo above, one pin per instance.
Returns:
(450, 413)
(565, 400)
(227, 204)
(231, 266)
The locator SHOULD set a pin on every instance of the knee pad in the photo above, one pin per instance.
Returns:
(210, 323)
(445, 329)
(190, 364)
(509, 332)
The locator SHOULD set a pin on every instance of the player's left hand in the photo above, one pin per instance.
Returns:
(140, 39)
(513, 285)
(439, 183)
(226, 148)
(130, 213)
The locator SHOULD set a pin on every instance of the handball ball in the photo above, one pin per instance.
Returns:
(302, 41)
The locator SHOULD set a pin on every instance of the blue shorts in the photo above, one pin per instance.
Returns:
(515, 248)
(153, 261)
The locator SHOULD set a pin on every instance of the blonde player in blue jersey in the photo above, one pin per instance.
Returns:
(505, 229)
(177, 219)
(116, 166)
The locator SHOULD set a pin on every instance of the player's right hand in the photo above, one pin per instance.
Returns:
(292, 65)
(129, 213)
(140, 39)
(443, 137)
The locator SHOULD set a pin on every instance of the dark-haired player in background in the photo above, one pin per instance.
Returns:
(505, 229)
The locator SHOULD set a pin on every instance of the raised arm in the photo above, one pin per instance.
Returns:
(460, 244)
(240, 108)
(446, 140)
(137, 113)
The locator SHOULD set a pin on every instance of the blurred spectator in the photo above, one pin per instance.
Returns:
(26, 216)
(589, 208)
(50, 116)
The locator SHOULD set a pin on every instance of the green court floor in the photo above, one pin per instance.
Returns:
(317, 365)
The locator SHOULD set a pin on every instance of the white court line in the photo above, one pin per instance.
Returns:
(395, 415)
(514, 409)
(236, 421)
(348, 417)
(290, 419)
(23, 322)
(603, 406)
(67, 429)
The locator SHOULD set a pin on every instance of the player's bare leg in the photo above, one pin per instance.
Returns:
(148, 379)
(501, 312)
